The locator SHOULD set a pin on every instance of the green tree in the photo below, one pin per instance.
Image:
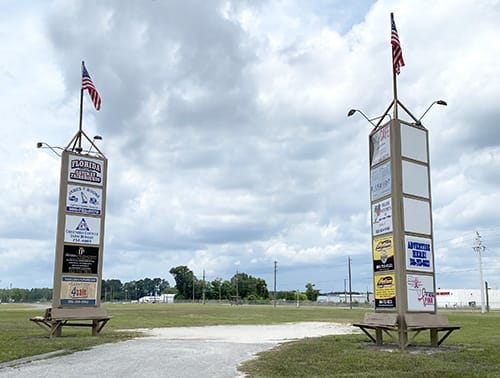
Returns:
(247, 286)
(184, 281)
(311, 293)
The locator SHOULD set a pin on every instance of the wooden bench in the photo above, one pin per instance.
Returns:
(379, 322)
(56, 318)
(435, 323)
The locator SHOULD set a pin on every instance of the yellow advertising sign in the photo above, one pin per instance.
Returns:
(385, 290)
(383, 253)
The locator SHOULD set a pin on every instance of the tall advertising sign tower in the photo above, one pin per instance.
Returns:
(80, 231)
(401, 218)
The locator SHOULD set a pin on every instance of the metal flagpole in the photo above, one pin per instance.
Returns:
(80, 129)
(394, 80)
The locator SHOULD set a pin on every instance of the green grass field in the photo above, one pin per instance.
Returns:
(472, 351)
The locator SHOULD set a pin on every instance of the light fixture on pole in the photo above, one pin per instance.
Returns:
(52, 148)
(439, 102)
(351, 112)
(96, 137)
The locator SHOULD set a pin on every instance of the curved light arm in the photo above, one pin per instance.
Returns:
(439, 102)
(52, 148)
(352, 111)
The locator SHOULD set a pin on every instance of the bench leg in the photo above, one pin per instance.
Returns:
(368, 334)
(56, 330)
(448, 332)
(379, 336)
(434, 337)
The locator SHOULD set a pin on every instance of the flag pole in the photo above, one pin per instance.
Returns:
(80, 129)
(394, 80)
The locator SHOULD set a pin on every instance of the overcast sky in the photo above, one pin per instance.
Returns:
(225, 127)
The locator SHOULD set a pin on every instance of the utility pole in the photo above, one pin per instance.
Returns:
(203, 286)
(479, 247)
(274, 293)
(487, 296)
(350, 283)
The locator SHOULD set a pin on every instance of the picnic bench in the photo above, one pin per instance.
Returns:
(416, 323)
(55, 319)
(381, 323)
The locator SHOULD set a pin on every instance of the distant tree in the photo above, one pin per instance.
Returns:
(311, 293)
(291, 296)
(184, 281)
(246, 286)
(111, 290)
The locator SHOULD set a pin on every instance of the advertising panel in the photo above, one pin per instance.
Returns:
(80, 259)
(413, 143)
(382, 217)
(385, 290)
(418, 254)
(86, 170)
(83, 200)
(82, 230)
(380, 181)
(81, 291)
(381, 145)
(420, 292)
(383, 253)
(415, 179)
(417, 216)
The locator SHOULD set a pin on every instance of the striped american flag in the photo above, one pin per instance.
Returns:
(397, 53)
(89, 85)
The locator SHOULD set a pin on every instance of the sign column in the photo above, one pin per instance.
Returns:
(401, 217)
(80, 233)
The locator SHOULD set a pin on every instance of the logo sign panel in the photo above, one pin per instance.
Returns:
(382, 217)
(383, 253)
(82, 230)
(380, 179)
(81, 291)
(385, 290)
(80, 259)
(418, 254)
(84, 200)
(381, 145)
(420, 292)
(85, 170)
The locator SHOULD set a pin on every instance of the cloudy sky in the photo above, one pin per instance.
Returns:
(225, 127)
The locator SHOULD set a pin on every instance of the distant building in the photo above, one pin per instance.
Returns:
(341, 297)
(466, 298)
(163, 298)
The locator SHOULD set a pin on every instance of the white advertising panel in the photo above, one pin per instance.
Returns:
(420, 292)
(82, 230)
(382, 217)
(381, 145)
(414, 143)
(87, 170)
(415, 179)
(418, 254)
(417, 216)
(83, 200)
(380, 181)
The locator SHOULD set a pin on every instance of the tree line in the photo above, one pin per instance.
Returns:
(187, 287)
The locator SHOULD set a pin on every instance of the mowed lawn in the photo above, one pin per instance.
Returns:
(473, 351)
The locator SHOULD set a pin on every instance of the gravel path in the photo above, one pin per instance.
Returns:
(181, 352)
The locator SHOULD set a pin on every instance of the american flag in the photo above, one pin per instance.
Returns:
(397, 53)
(89, 85)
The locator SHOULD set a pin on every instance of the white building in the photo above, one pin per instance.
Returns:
(467, 298)
(163, 298)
